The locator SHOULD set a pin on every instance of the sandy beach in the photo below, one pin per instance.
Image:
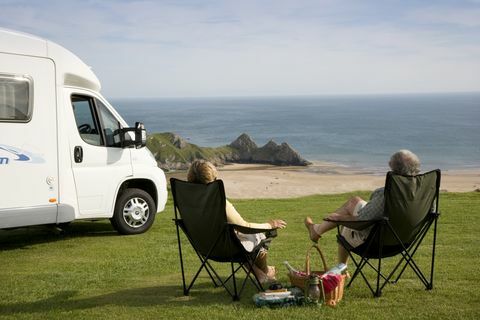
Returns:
(247, 181)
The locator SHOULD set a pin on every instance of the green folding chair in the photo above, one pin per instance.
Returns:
(200, 214)
(411, 208)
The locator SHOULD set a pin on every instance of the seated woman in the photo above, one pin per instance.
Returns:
(201, 171)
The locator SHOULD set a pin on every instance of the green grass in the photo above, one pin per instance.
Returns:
(92, 272)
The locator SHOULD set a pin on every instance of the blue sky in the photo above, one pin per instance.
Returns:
(256, 48)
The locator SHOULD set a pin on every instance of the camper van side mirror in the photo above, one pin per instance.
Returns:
(140, 135)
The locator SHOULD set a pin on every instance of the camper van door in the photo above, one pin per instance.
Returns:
(99, 163)
(28, 141)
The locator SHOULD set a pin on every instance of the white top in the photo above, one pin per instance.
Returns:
(233, 217)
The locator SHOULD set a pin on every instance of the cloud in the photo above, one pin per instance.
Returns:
(208, 48)
(463, 17)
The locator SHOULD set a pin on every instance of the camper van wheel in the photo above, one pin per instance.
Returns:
(134, 212)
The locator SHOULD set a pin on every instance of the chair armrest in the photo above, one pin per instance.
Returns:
(265, 243)
(434, 213)
(269, 233)
(356, 224)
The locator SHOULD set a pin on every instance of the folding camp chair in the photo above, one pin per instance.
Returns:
(200, 213)
(411, 207)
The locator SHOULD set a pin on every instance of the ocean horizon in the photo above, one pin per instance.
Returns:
(354, 131)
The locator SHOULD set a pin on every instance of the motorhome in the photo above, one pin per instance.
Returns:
(65, 152)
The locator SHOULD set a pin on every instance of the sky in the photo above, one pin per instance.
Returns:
(207, 48)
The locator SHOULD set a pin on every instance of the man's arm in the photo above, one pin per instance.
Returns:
(374, 208)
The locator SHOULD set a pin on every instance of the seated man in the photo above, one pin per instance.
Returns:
(403, 162)
(201, 171)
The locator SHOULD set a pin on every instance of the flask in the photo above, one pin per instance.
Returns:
(313, 291)
(290, 268)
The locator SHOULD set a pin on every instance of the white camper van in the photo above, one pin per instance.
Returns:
(65, 153)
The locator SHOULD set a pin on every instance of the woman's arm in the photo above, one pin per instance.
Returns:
(234, 217)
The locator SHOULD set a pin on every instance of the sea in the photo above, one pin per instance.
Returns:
(353, 131)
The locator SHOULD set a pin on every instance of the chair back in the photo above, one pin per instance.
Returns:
(408, 200)
(202, 210)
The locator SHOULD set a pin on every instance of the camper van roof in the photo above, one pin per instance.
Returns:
(70, 70)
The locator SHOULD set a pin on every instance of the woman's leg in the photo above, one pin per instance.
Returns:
(263, 271)
(261, 261)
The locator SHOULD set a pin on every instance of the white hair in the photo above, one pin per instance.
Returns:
(405, 162)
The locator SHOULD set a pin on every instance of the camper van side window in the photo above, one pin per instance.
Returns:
(110, 125)
(85, 116)
(16, 96)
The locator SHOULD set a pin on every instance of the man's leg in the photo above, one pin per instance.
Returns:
(346, 211)
(348, 208)
(342, 254)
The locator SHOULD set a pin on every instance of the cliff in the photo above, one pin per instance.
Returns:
(172, 152)
(270, 153)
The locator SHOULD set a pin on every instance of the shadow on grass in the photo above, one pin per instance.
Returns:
(11, 239)
(171, 296)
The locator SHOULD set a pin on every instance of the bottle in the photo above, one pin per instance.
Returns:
(338, 269)
(313, 291)
(290, 268)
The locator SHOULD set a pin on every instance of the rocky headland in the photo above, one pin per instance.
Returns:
(172, 152)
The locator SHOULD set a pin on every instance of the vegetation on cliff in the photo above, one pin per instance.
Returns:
(172, 152)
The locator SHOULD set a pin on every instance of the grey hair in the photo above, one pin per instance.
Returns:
(405, 162)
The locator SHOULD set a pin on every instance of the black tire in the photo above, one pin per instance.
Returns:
(134, 212)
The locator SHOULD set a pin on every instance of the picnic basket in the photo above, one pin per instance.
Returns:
(300, 279)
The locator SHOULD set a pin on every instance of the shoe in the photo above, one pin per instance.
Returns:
(314, 236)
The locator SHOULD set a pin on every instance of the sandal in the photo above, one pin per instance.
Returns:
(314, 236)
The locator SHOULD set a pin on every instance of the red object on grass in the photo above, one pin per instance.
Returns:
(330, 281)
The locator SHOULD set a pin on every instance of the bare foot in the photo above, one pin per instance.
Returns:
(314, 236)
(265, 277)
(261, 276)
(272, 273)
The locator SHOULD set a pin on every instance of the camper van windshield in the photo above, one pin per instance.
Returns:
(15, 98)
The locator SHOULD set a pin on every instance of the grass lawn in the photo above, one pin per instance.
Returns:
(92, 272)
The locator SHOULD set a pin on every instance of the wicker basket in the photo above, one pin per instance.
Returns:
(300, 280)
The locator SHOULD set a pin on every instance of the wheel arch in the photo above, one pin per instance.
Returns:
(139, 183)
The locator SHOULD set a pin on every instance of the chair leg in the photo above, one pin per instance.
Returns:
(185, 291)
(363, 261)
(357, 269)
(378, 292)
(415, 245)
(208, 267)
(430, 285)
(409, 258)
(235, 295)
(249, 272)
